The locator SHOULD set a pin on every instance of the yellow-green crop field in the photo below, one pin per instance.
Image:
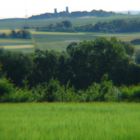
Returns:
(57, 41)
(70, 121)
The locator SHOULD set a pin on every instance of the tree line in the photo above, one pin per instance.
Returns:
(114, 26)
(19, 34)
(99, 70)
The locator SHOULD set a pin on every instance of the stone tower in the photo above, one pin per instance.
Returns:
(55, 11)
(67, 9)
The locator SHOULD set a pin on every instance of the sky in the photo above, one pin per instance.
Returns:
(23, 8)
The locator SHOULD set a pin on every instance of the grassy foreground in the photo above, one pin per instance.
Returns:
(95, 121)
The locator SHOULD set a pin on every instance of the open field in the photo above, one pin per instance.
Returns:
(57, 41)
(93, 121)
(24, 45)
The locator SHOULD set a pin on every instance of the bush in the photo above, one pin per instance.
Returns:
(21, 95)
(50, 92)
(40, 92)
(131, 93)
(8, 93)
(60, 93)
(93, 93)
(105, 91)
(70, 95)
(108, 92)
(54, 92)
(6, 88)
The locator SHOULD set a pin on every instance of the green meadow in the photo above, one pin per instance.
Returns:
(70, 121)
(57, 41)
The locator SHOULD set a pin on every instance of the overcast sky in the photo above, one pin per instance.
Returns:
(20, 8)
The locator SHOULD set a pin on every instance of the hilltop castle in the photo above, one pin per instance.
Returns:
(66, 10)
(67, 13)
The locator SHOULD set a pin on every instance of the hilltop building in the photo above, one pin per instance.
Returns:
(67, 13)
(67, 9)
(55, 11)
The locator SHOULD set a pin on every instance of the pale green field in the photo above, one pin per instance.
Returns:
(23, 45)
(73, 121)
(57, 41)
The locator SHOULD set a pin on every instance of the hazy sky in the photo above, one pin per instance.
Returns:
(19, 8)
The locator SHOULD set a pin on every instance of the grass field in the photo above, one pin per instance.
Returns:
(23, 45)
(57, 41)
(75, 121)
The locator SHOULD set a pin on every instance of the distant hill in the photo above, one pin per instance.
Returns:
(12, 19)
(97, 13)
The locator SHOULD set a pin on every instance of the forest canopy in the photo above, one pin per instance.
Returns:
(87, 71)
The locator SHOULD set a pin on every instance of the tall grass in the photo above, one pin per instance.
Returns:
(95, 121)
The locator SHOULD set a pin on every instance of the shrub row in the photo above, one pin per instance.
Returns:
(55, 92)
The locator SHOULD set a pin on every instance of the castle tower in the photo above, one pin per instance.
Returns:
(55, 11)
(67, 9)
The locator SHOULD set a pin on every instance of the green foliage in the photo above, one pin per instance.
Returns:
(88, 71)
(40, 92)
(45, 66)
(21, 95)
(137, 57)
(108, 92)
(114, 26)
(90, 60)
(131, 93)
(16, 66)
(6, 88)
(64, 26)
(53, 91)
(105, 91)
(21, 34)
(92, 93)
